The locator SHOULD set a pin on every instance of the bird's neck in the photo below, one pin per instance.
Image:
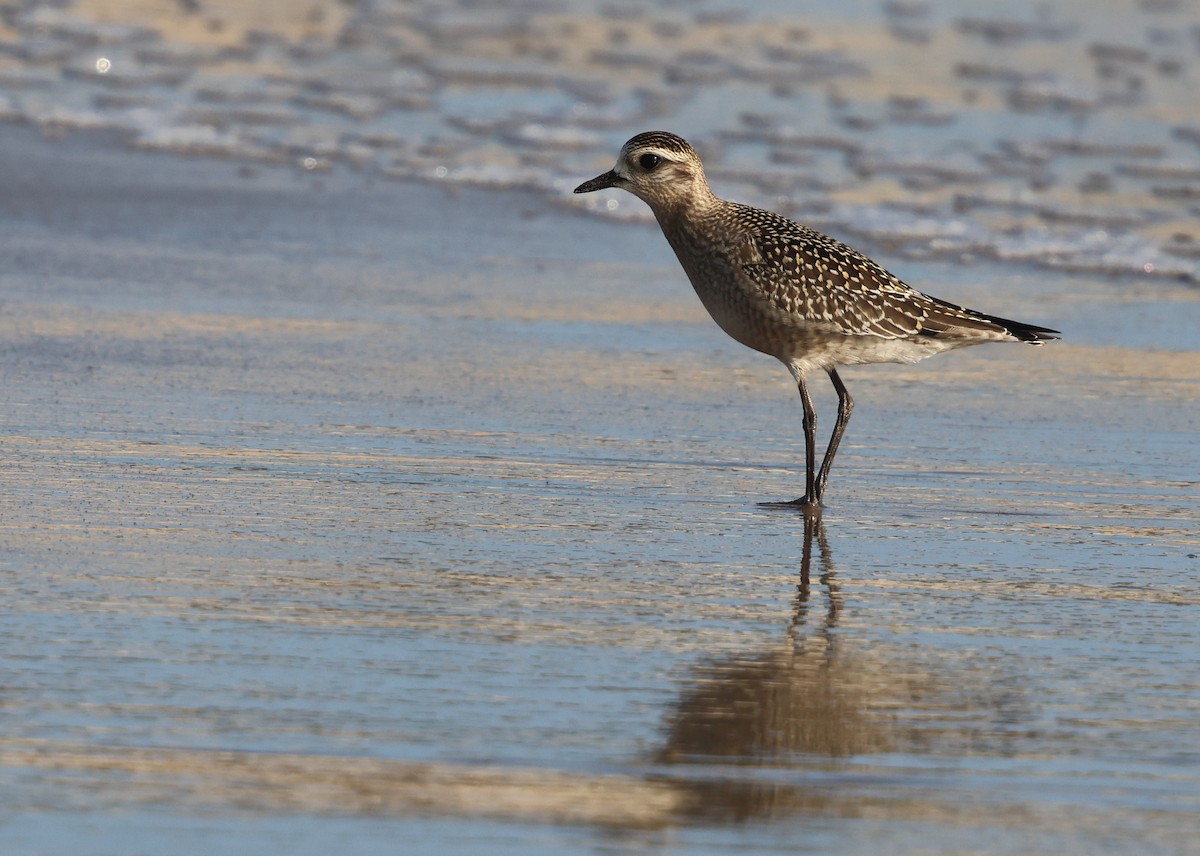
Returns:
(686, 219)
(686, 211)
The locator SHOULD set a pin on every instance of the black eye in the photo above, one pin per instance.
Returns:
(649, 162)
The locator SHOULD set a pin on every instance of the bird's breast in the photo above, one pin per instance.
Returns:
(734, 302)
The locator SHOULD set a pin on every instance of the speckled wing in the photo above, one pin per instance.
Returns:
(820, 280)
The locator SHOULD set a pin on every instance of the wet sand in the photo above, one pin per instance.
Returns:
(348, 509)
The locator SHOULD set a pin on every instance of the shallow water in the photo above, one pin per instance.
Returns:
(1058, 135)
(343, 507)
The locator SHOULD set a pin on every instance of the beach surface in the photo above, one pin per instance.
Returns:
(352, 509)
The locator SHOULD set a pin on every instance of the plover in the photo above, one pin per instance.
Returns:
(789, 291)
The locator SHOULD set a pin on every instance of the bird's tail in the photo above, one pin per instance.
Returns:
(958, 317)
(1025, 332)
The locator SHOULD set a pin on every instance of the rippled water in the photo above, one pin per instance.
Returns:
(357, 496)
(1063, 135)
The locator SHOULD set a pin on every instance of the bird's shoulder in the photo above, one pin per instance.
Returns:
(770, 245)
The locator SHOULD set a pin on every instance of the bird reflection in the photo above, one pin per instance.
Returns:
(792, 704)
(791, 727)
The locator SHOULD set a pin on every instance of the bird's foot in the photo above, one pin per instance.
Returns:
(807, 504)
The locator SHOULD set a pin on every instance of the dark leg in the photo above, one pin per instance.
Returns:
(845, 408)
(811, 497)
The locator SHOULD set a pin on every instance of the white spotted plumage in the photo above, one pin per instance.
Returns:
(789, 291)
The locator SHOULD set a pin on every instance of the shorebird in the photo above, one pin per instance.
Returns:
(791, 292)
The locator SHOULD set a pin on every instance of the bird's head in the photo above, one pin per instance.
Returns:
(659, 168)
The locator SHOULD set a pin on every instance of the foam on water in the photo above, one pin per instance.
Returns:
(909, 108)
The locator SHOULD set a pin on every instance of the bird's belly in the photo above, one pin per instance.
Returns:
(758, 325)
(857, 350)
(747, 319)
(810, 344)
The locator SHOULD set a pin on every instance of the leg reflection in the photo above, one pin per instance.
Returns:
(814, 531)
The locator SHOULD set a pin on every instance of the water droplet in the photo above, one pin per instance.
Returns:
(310, 163)
(441, 172)
(612, 204)
(1148, 267)
(103, 64)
